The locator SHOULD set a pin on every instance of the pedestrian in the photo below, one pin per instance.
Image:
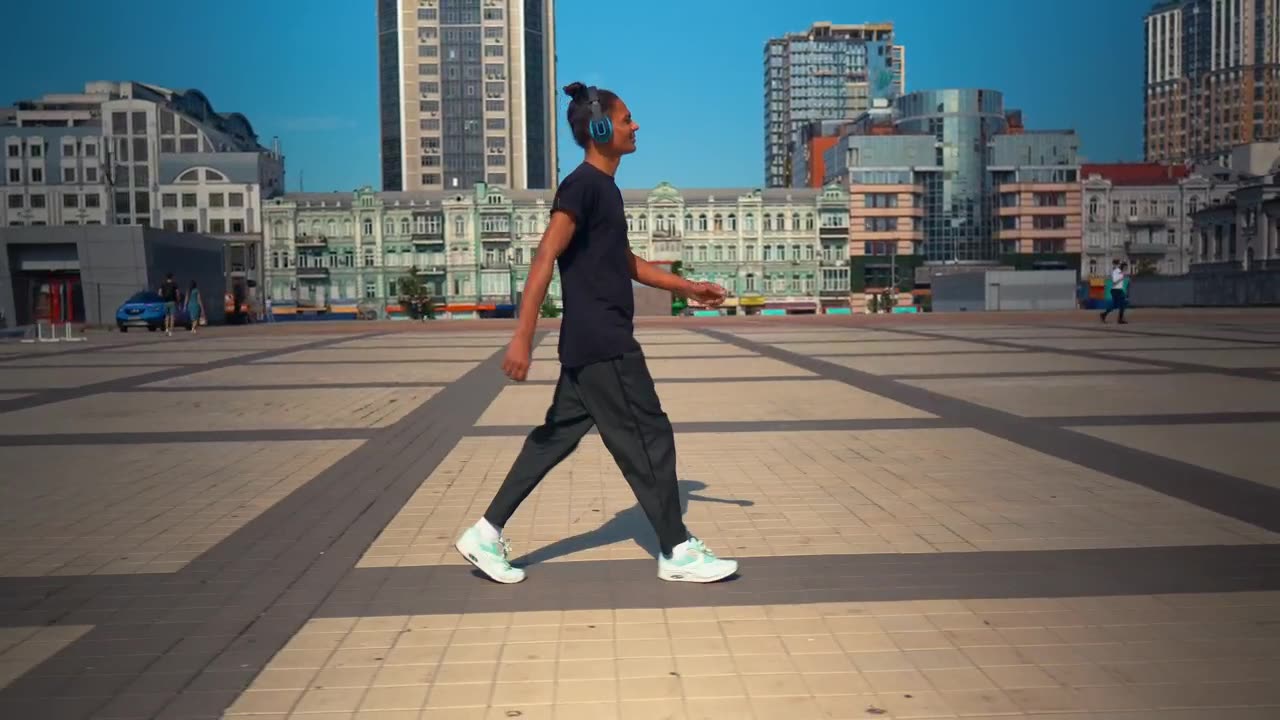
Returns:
(169, 293)
(604, 380)
(195, 307)
(1118, 287)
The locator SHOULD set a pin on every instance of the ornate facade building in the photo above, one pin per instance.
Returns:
(780, 249)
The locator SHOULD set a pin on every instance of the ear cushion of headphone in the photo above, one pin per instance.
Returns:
(601, 129)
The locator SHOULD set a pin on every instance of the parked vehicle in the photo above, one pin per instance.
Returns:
(146, 309)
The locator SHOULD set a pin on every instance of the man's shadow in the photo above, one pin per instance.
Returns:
(630, 524)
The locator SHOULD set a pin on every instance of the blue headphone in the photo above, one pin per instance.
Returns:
(601, 126)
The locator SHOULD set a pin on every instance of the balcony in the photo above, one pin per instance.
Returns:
(495, 264)
(833, 262)
(311, 242)
(1149, 248)
(313, 273)
(834, 292)
(1146, 219)
(428, 238)
(495, 233)
(433, 269)
(833, 232)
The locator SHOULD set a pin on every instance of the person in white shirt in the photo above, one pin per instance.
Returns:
(1119, 290)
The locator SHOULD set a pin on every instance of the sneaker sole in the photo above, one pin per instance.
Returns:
(477, 565)
(678, 577)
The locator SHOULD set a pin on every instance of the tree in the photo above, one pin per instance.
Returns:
(415, 296)
(1145, 267)
(549, 309)
(873, 304)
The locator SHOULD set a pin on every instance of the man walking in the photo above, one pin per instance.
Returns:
(1118, 283)
(604, 380)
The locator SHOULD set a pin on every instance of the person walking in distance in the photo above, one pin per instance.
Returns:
(604, 379)
(195, 306)
(169, 293)
(1118, 282)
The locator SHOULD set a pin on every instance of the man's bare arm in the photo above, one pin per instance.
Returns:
(646, 273)
(555, 239)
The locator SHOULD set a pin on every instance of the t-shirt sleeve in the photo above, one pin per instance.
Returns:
(575, 197)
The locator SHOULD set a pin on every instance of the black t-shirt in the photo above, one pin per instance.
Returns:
(595, 270)
(169, 291)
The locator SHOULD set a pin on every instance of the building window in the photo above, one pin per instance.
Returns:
(37, 149)
(750, 223)
(215, 200)
(37, 175)
(1093, 208)
(15, 202)
(15, 151)
(91, 175)
(68, 150)
(368, 227)
(37, 201)
(189, 226)
(188, 200)
(217, 225)
(92, 200)
(169, 200)
(68, 175)
(459, 226)
(702, 223)
(70, 200)
(235, 199)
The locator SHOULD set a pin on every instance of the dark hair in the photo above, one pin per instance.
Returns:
(193, 284)
(580, 110)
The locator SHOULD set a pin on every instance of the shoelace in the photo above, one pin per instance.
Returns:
(506, 550)
(696, 545)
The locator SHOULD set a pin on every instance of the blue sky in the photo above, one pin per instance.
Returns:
(306, 70)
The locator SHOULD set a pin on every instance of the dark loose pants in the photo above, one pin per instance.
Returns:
(1118, 301)
(617, 397)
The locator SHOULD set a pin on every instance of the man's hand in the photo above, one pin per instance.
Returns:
(707, 293)
(518, 358)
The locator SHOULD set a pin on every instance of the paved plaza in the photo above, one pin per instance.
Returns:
(979, 516)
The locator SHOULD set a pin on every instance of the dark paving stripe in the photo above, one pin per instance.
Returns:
(88, 366)
(285, 386)
(1110, 354)
(186, 645)
(416, 361)
(598, 584)
(125, 383)
(1221, 418)
(183, 437)
(1226, 494)
(750, 426)
(887, 352)
(1026, 374)
(1112, 330)
(688, 380)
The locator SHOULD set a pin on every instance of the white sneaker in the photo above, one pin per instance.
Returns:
(691, 561)
(489, 556)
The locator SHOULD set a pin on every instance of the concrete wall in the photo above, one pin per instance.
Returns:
(1031, 290)
(189, 257)
(651, 302)
(117, 261)
(1223, 288)
(959, 292)
(1005, 290)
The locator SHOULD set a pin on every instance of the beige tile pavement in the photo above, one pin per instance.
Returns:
(723, 401)
(64, 377)
(896, 346)
(407, 354)
(196, 411)
(1091, 657)
(1113, 395)
(106, 509)
(1231, 358)
(977, 363)
(712, 369)
(306, 375)
(777, 494)
(1232, 448)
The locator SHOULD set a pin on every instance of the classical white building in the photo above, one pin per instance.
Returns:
(130, 153)
(778, 248)
(1141, 213)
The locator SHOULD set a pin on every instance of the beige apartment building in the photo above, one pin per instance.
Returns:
(1212, 78)
(467, 92)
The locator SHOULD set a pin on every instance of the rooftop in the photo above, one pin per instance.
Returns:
(1136, 173)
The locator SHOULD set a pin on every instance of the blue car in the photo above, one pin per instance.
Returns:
(146, 309)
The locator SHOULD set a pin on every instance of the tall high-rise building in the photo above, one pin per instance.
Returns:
(828, 72)
(1212, 78)
(467, 93)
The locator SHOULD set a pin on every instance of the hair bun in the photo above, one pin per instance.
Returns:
(575, 90)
